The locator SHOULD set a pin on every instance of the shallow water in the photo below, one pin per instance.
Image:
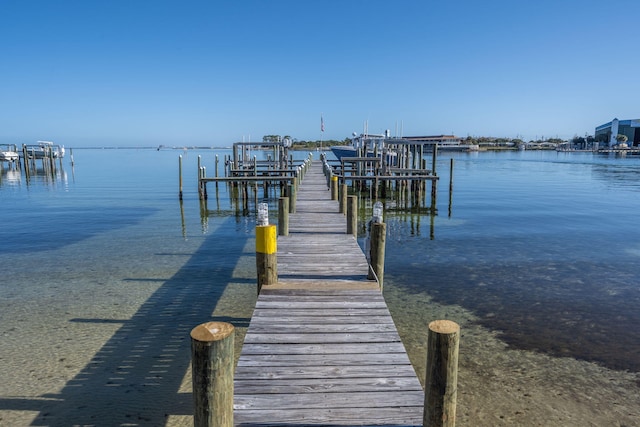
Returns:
(540, 246)
(103, 267)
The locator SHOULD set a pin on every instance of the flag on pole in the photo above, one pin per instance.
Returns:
(321, 123)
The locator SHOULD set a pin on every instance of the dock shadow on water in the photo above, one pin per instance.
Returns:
(136, 377)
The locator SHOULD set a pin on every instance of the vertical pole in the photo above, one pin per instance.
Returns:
(434, 159)
(204, 183)
(212, 360)
(343, 198)
(442, 374)
(378, 241)
(434, 193)
(352, 215)
(334, 187)
(291, 192)
(235, 155)
(25, 156)
(179, 176)
(450, 185)
(266, 256)
(283, 216)
(200, 193)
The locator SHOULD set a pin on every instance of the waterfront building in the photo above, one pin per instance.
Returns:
(608, 132)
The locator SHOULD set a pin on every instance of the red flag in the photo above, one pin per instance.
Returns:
(321, 123)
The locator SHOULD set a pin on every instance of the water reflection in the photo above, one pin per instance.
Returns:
(17, 174)
(618, 174)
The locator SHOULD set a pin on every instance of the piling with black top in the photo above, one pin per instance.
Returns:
(212, 360)
(441, 380)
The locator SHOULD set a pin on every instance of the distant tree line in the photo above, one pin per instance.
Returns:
(476, 140)
(589, 139)
(485, 140)
(300, 143)
(603, 137)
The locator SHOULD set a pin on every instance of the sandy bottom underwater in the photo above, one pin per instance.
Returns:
(125, 360)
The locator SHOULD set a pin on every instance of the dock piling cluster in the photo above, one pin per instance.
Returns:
(291, 306)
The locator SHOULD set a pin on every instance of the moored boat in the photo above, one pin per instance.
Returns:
(42, 149)
(365, 145)
(9, 153)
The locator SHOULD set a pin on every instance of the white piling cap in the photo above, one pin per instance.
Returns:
(263, 214)
(377, 212)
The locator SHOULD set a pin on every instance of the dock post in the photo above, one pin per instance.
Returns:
(434, 159)
(442, 374)
(291, 192)
(378, 241)
(343, 198)
(434, 195)
(352, 215)
(180, 176)
(450, 184)
(283, 216)
(377, 237)
(204, 183)
(266, 249)
(334, 187)
(212, 360)
(200, 192)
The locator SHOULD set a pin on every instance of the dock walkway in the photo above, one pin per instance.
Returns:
(321, 348)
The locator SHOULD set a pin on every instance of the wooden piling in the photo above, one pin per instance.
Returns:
(378, 241)
(352, 215)
(180, 177)
(442, 374)
(334, 187)
(266, 256)
(204, 183)
(450, 185)
(291, 192)
(342, 208)
(212, 359)
(283, 216)
(200, 184)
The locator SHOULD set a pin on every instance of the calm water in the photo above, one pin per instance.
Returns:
(542, 247)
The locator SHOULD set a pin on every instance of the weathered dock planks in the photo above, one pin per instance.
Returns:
(322, 348)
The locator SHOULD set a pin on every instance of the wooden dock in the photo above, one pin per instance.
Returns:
(322, 348)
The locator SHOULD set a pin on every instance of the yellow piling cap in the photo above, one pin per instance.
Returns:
(266, 241)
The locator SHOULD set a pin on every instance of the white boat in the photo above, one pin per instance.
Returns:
(365, 145)
(9, 153)
(43, 149)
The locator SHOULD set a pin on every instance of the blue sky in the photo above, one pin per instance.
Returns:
(85, 73)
